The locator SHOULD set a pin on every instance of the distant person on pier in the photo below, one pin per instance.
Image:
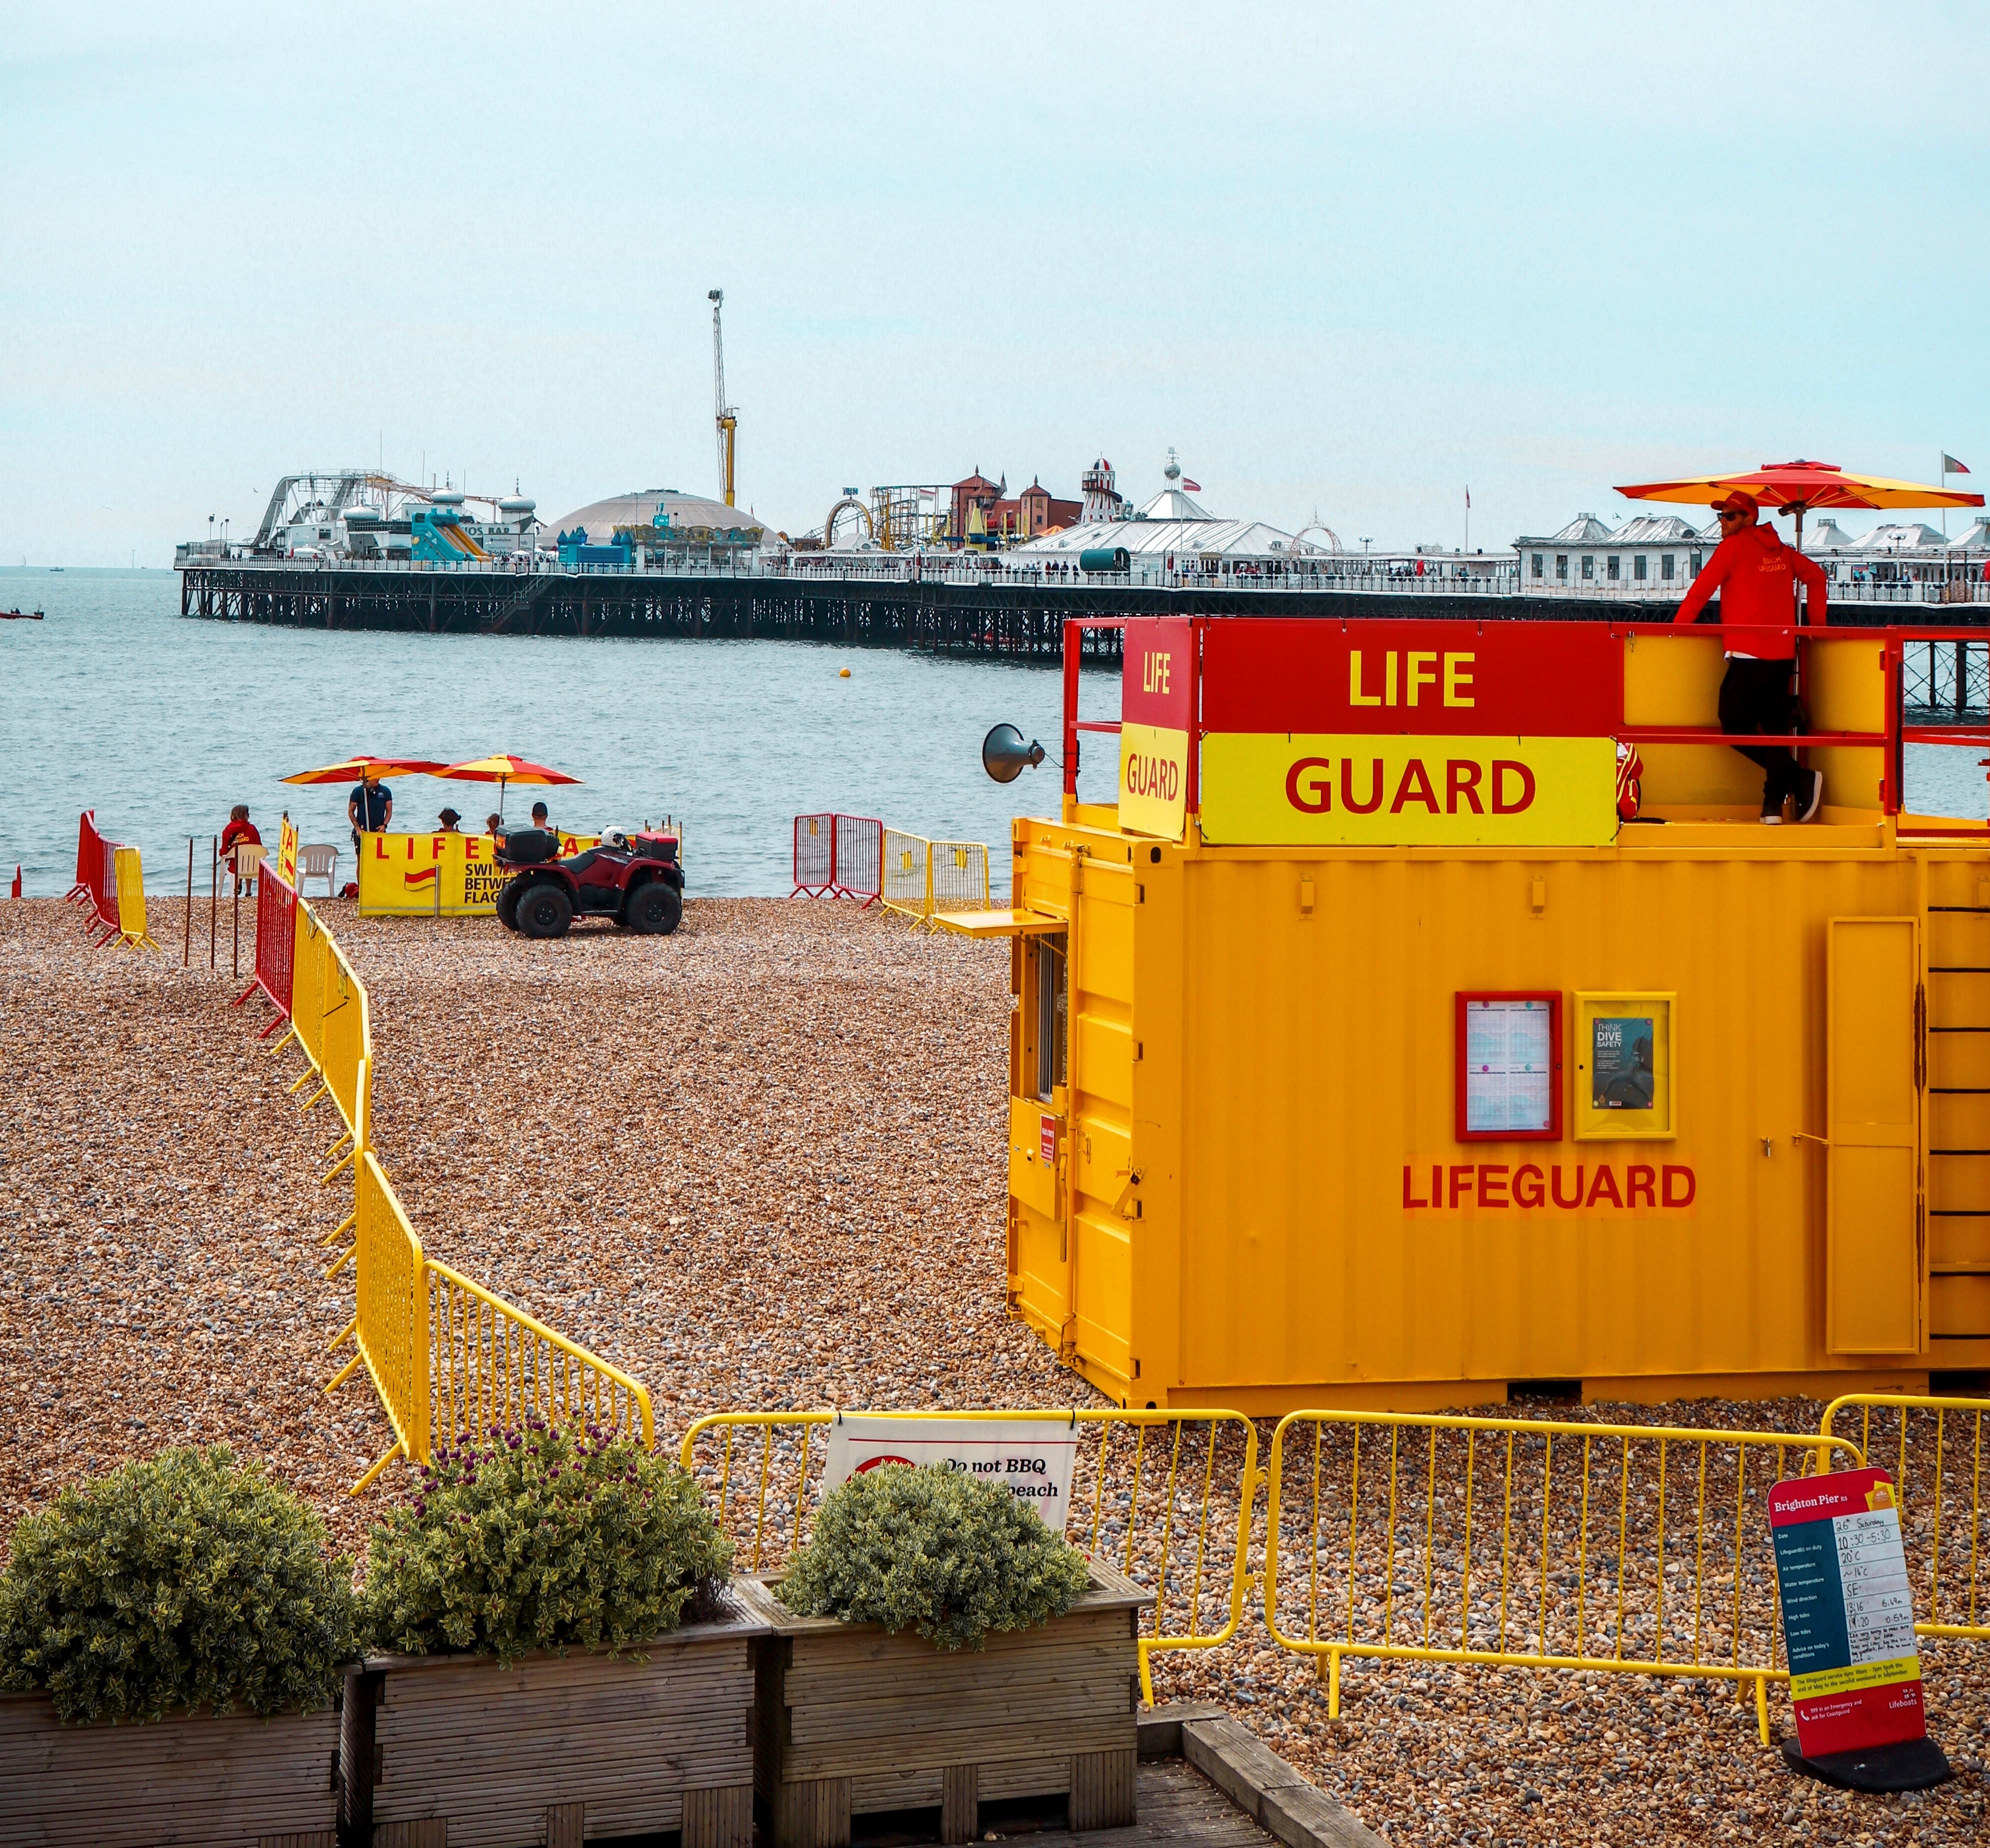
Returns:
(446, 822)
(1756, 576)
(369, 808)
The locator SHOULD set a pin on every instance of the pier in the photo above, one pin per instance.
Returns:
(953, 606)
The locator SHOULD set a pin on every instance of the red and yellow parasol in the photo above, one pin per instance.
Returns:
(354, 769)
(1795, 488)
(502, 770)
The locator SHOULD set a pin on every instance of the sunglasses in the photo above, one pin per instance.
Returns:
(1733, 513)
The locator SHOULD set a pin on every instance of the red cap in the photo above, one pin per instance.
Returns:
(1737, 502)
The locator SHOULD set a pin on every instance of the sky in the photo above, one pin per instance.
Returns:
(1349, 261)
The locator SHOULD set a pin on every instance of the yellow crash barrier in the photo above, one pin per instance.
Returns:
(1165, 1496)
(444, 1353)
(131, 876)
(1934, 1449)
(1522, 1543)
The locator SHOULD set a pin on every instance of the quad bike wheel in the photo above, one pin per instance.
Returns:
(507, 902)
(543, 910)
(653, 909)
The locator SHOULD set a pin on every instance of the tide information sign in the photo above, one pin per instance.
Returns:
(1848, 1612)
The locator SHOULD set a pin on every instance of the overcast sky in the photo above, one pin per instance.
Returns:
(1347, 259)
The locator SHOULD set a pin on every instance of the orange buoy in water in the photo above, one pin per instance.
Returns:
(844, 674)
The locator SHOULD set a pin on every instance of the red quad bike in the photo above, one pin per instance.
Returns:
(633, 880)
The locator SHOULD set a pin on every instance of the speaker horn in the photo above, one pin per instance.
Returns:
(1005, 756)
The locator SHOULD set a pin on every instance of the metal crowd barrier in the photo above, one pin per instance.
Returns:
(445, 1355)
(1165, 1496)
(838, 856)
(275, 946)
(1934, 1449)
(922, 876)
(1522, 1543)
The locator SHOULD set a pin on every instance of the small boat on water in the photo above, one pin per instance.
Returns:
(20, 615)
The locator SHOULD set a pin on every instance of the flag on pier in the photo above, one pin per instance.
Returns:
(1950, 466)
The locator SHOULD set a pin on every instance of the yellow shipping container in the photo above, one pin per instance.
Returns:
(1236, 1176)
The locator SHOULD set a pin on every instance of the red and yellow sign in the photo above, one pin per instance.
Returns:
(1497, 679)
(1542, 1183)
(447, 875)
(286, 853)
(1270, 788)
(1157, 701)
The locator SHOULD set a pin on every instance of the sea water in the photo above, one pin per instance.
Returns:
(161, 723)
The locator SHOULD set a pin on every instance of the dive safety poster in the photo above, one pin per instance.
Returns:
(1848, 1612)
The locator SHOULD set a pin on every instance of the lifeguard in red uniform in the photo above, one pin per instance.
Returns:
(1756, 575)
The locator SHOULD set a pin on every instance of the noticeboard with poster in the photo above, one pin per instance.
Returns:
(1509, 1066)
(1626, 1068)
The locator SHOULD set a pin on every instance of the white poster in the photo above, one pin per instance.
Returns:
(1031, 1458)
(1509, 1056)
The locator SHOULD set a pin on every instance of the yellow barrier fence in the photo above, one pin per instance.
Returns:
(1523, 1542)
(390, 1323)
(131, 900)
(1932, 1447)
(491, 1364)
(445, 1355)
(922, 876)
(907, 877)
(332, 1018)
(1164, 1496)
(960, 875)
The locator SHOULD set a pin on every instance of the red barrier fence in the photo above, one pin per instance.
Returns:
(839, 857)
(96, 874)
(276, 944)
(86, 857)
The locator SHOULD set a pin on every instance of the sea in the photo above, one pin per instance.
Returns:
(161, 723)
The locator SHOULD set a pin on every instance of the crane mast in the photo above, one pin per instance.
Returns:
(728, 418)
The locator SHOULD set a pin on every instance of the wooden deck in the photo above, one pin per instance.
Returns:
(1177, 1804)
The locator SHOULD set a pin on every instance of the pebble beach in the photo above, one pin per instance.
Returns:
(759, 1164)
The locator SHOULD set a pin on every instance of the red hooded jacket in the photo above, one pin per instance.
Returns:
(1756, 575)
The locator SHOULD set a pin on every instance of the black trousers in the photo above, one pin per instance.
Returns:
(1755, 696)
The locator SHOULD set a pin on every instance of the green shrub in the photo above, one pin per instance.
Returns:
(934, 1550)
(539, 1539)
(176, 1583)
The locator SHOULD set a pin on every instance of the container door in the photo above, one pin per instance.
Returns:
(1872, 1282)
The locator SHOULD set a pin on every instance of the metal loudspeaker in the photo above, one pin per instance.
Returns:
(1005, 756)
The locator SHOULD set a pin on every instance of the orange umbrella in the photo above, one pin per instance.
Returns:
(354, 768)
(1795, 488)
(501, 769)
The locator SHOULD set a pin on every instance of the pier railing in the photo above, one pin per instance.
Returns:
(1958, 582)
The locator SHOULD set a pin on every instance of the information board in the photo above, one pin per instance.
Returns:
(1848, 1612)
(1626, 1067)
(1157, 701)
(1031, 1458)
(1509, 1067)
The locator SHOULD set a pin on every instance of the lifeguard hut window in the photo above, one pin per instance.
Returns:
(1044, 1008)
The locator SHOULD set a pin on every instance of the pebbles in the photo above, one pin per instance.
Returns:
(760, 1164)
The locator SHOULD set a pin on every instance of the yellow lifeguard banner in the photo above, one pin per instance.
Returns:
(439, 875)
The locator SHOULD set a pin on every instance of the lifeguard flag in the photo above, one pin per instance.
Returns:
(1950, 466)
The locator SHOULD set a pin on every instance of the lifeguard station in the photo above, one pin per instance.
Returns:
(1363, 1056)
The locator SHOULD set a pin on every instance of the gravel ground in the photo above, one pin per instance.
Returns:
(759, 1163)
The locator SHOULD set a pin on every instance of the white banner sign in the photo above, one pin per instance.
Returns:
(1031, 1458)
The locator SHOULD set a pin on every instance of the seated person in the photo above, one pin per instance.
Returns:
(446, 822)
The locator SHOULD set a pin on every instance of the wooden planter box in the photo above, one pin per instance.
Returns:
(451, 1752)
(235, 1781)
(851, 1721)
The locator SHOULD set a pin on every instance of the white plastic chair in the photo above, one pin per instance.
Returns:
(319, 860)
(244, 860)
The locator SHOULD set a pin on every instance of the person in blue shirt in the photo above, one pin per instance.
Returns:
(369, 808)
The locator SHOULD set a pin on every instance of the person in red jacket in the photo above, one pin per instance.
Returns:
(1756, 575)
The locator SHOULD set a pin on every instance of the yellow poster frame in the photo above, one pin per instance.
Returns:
(1591, 1124)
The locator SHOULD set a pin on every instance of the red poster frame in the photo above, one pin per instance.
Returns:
(1553, 1132)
